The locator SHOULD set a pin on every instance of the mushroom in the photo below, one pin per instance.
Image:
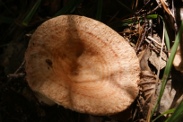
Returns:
(83, 65)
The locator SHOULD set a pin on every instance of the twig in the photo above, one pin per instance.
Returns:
(16, 74)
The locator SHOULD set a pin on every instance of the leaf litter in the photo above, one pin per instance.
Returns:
(17, 101)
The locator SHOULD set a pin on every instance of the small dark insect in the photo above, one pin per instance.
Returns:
(49, 62)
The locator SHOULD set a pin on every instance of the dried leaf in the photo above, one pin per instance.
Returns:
(154, 60)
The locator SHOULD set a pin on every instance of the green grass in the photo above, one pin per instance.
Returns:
(133, 20)
(69, 7)
(31, 13)
(177, 116)
(99, 9)
(169, 66)
(17, 20)
(170, 111)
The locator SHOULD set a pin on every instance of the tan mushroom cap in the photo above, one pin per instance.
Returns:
(83, 65)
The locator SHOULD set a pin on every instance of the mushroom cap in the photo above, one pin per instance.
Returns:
(83, 65)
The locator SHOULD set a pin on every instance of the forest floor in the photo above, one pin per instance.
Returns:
(150, 27)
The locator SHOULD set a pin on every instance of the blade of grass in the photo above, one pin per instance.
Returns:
(69, 7)
(2, 4)
(152, 16)
(167, 40)
(177, 115)
(99, 9)
(168, 67)
(31, 13)
(126, 22)
(126, 7)
(170, 111)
